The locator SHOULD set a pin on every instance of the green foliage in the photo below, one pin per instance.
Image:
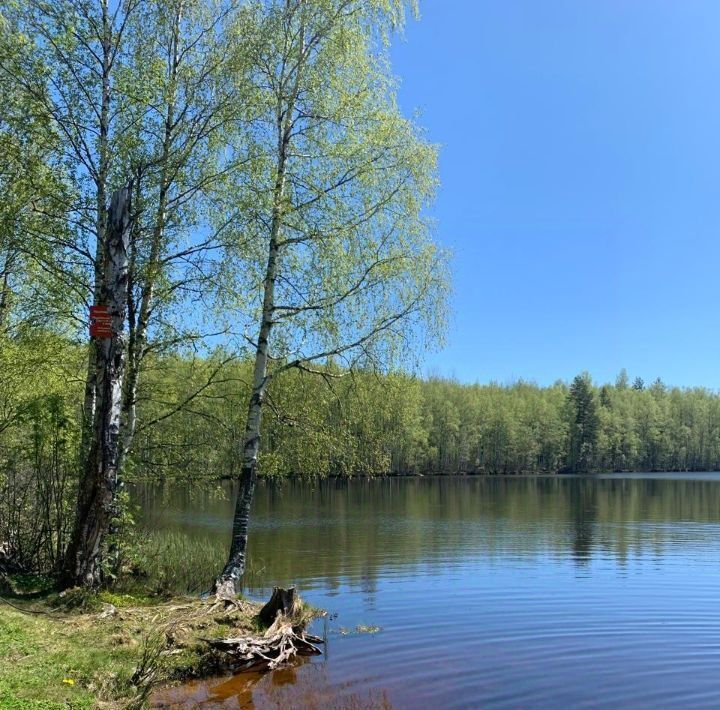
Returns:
(356, 424)
(366, 424)
(39, 430)
(335, 185)
(584, 422)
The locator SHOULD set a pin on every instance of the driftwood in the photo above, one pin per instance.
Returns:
(280, 643)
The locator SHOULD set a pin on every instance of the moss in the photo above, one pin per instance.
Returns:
(52, 659)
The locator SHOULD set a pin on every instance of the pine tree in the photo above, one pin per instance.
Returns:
(584, 423)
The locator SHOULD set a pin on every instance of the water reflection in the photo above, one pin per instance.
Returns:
(583, 505)
(511, 592)
(331, 531)
(299, 686)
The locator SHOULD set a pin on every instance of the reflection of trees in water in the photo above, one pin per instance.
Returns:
(351, 531)
(304, 684)
(583, 508)
(369, 579)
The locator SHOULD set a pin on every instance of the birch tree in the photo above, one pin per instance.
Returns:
(132, 89)
(342, 268)
(186, 111)
(97, 499)
(78, 45)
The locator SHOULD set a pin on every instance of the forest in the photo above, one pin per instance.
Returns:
(227, 196)
(363, 424)
(218, 261)
(273, 283)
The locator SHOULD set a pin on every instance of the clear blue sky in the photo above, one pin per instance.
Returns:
(580, 169)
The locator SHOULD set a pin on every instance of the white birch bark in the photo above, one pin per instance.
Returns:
(97, 497)
(91, 383)
(226, 583)
(139, 329)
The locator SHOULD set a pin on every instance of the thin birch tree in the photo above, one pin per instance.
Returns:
(187, 111)
(343, 270)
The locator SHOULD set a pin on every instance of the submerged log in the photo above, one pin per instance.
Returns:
(283, 601)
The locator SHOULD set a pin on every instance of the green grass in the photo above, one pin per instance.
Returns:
(71, 656)
(173, 563)
(54, 659)
(45, 663)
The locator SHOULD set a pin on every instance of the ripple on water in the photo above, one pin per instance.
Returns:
(530, 593)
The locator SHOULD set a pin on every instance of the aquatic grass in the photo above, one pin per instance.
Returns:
(173, 562)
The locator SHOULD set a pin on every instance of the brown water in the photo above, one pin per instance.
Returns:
(502, 592)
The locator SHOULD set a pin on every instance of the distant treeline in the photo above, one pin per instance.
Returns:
(367, 424)
(191, 411)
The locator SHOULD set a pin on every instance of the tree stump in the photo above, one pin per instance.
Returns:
(283, 640)
(284, 601)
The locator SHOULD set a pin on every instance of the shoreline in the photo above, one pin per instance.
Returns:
(266, 480)
(112, 656)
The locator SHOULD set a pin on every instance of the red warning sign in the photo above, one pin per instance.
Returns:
(100, 322)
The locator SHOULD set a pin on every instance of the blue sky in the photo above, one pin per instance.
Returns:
(580, 169)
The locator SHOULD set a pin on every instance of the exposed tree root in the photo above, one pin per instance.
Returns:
(283, 640)
(225, 604)
(280, 643)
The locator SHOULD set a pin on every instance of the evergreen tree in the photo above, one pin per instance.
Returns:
(584, 423)
(605, 400)
(622, 380)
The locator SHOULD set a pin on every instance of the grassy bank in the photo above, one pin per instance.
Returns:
(109, 655)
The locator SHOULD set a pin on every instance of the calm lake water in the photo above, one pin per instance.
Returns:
(502, 592)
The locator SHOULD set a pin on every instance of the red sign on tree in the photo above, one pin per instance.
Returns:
(100, 322)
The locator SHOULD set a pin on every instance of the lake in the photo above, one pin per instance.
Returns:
(529, 592)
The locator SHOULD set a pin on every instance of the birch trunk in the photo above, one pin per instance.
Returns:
(97, 495)
(5, 293)
(91, 383)
(226, 583)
